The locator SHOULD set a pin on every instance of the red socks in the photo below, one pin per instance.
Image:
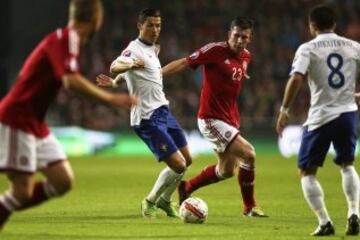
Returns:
(8, 204)
(207, 176)
(39, 195)
(246, 181)
(4, 215)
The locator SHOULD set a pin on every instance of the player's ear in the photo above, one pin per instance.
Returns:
(139, 25)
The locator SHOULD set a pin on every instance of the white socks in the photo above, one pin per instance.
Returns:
(165, 181)
(314, 195)
(351, 186)
(167, 194)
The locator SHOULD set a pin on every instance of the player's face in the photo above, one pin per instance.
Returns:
(149, 31)
(239, 38)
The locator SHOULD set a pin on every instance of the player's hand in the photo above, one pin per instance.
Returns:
(123, 100)
(281, 123)
(104, 81)
(138, 63)
(357, 98)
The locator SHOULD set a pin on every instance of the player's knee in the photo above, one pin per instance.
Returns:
(188, 161)
(227, 172)
(180, 168)
(250, 156)
(64, 186)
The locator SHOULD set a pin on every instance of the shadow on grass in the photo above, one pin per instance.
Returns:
(40, 236)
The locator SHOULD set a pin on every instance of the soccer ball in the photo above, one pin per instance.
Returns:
(193, 210)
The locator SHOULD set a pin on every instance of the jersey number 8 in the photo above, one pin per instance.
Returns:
(336, 78)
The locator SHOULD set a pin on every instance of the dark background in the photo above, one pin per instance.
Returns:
(281, 26)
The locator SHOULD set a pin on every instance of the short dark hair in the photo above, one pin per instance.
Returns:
(242, 22)
(323, 16)
(84, 10)
(148, 12)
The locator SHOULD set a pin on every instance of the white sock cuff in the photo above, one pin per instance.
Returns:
(246, 166)
(349, 168)
(217, 172)
(50, 190)
(10, 202)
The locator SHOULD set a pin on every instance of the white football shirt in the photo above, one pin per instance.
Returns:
(331, 63)
(145, 83)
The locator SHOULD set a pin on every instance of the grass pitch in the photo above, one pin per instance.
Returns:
(105, 204)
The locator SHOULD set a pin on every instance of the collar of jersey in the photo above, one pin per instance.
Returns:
(145, 43)
(325, 35)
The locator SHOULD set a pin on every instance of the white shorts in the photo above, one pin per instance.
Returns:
(23, 152)
(218, 132)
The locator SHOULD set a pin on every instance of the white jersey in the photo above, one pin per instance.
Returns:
(331, 63)
(145, 83)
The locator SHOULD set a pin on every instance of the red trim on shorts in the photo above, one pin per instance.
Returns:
(2, 170)
(215, 132)
(231, 141)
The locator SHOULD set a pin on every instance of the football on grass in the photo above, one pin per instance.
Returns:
(193, 210)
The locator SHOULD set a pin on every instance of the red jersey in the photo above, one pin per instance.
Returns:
(223, 75)
(39, 81)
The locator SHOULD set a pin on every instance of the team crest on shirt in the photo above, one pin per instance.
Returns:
(228, 134)
(227, 61)
(163, 147)
(195, 55)
(126, 53)
(24, 161)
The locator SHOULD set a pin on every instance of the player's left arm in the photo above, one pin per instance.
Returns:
(291, 90)
(174, 67)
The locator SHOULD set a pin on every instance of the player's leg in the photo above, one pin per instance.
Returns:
(168, 193)
(245, 152)
(58, 173)
(17, 196)
(220, 134)
(345, 138)
(177, 134)
(154, 133)
(314, 146)
(18, 161)
(351, 187)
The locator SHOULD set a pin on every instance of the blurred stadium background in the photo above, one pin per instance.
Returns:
(187, 25)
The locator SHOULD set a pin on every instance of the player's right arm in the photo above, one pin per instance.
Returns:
(205, 55)
(126, 61)
(174, 67)
(299, 69)
(79, 84)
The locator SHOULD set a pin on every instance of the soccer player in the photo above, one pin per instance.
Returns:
(26, 145)
(151, 119)
(331, 63)
(224, 71)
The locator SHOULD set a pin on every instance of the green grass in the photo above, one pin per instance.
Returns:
(105, 204)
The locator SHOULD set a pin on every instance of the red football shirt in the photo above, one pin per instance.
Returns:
(39, 81)
(223, 75)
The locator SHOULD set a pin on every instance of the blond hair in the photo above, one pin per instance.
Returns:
(84, 10)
